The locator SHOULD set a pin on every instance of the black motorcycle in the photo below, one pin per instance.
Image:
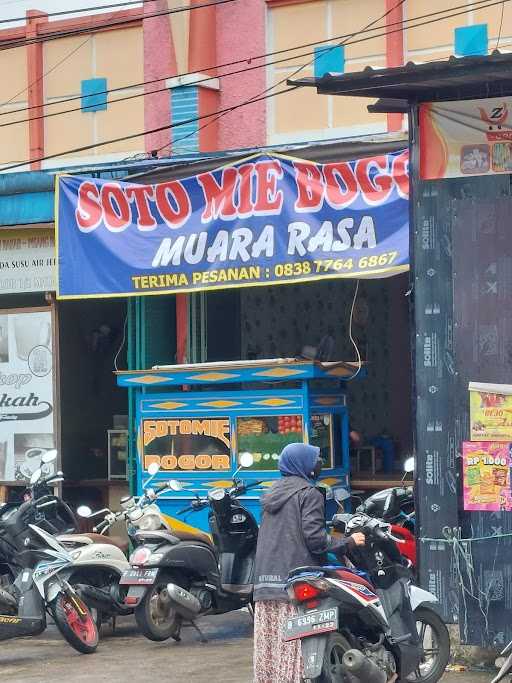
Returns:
(178, 576)
(370, 624)
(32, 561)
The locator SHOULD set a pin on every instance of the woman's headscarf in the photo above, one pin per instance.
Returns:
(298, 460)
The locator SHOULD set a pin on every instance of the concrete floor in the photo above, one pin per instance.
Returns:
(126, 657)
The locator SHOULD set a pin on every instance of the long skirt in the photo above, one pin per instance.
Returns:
(275, 661)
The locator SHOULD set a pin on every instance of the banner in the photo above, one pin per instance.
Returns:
(487, 475)
(26, 392)
(465, 138)
(262, 221)
(490, 411)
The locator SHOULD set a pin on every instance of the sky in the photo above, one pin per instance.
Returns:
(12, 9)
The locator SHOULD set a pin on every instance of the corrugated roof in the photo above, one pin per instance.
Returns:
(450, 79)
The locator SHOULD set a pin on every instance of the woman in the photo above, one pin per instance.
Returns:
(292, 534)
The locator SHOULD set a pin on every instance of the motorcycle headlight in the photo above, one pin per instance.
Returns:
(149, 523)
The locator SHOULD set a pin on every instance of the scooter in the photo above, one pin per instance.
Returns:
(34, 583)
(100, 561)
(179, 576)
(396, 506)
(370, 624)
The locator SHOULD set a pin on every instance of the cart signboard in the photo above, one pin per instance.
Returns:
(486, 471)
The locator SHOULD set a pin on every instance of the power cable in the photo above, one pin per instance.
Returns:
(248, 60)
(10, 44)
(501, 25)
(78, 10)
(84, 148)
(53, 68)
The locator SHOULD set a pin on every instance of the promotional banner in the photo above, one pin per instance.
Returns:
(26, 392)
(27, 261)
(466, 137)
(487, 475)
(490, 411)
(262, 221)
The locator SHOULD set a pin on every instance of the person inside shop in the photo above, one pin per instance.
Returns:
(292, 534)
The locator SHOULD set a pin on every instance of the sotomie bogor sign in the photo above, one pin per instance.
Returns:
(262, 221)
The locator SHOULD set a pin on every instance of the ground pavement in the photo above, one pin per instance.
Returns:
(126, 657)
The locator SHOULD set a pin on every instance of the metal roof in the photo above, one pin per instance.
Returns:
(451, 79)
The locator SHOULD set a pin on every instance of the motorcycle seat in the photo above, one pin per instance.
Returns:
(195, 535)
(90, 538)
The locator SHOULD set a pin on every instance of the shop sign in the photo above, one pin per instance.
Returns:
(490, 411)
(265, 220)
(487, 475)
(27, 261)
(187, 444)
(466, 138)
(26, 392)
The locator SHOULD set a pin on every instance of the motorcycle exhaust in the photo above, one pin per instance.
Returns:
(100, 599)
(182, 601)
(363, 668)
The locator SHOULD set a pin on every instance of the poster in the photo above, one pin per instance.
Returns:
(490, 411)
(465, 138)
(265, 220)
(486, 466)
(27, 260)
(26, 392)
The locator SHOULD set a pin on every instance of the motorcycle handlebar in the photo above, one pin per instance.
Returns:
(101, 526)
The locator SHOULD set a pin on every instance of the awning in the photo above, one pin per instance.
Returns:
(451, 79)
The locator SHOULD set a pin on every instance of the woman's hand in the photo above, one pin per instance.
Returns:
(359, 538)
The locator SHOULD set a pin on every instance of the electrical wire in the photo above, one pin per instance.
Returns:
(250, 59)
(53, 68)
(351, 337)
(122, 342)
(501, 25)
(84, 148)
(20, 42)
(78, 10)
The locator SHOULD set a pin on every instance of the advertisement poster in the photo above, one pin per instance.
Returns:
(26, 392)
(465, 138)
(262, 221)
(487, 475)
(27, 261)
(490, 411)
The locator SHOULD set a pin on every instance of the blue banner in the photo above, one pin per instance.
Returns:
(265, 220)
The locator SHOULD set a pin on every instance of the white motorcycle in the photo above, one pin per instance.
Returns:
(99, 562)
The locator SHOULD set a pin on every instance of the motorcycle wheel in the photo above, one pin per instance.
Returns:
(156, 620)
(435, 640)
(333, 670)
(79, 630)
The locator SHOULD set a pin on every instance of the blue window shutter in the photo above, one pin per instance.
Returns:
(471, 40)
(94, 97)
(329, 58)
(185, 106)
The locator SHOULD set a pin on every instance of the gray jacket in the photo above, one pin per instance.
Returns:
(292, 534)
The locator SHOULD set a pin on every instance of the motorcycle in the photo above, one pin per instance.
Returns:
(178, 576)
(100, 561)
(396, 506)
(33, 583)
(506, 667)
(370, 624)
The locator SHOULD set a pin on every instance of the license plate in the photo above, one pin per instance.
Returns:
(311, 624)
(137, 577)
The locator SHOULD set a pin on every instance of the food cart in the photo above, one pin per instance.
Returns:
(194, 421)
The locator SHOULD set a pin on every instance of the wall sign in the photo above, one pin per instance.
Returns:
(265, 220)
(466, 138)
(487, 475)
(27, 261)
(26, 392)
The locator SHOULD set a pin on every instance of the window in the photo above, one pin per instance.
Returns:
(322, 435)
(94, 95)
(184, 109)
(265, 437)
(187, 444)
(329, 59)
(471, 40)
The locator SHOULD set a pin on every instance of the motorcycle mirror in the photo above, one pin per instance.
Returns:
(35, 476)
(410, 465)
(84, 511)
(175, 485)
(246, 460)
(49, 456)
(153, 469)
